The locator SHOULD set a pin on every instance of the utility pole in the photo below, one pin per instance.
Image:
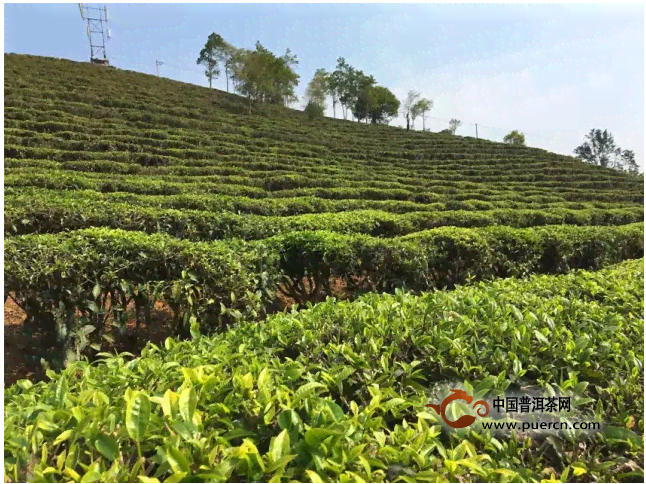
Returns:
(96, 33)
(158, 63)
(476, 130)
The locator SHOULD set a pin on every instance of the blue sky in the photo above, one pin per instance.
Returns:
(550, 71)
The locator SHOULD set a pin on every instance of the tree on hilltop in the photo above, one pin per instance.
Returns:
(420, 108)
(214, 51)
(318, 88)
(454, 124)
(515, 138)
(263, 77)
(377, 104)
(409, 102)
(314, 110)
(347, 84)
(600, 149)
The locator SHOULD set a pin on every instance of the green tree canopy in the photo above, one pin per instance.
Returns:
(378, 104)
(211, 54)
(262, 77)
(347, 84)
(314, 110)
(454, 124)
(318, 88)
(515, 138)
(600, 149)
(409, 102)
(420, 108)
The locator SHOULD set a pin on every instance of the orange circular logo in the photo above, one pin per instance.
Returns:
(465, 420)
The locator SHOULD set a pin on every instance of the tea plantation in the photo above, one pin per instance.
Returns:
(413, 263)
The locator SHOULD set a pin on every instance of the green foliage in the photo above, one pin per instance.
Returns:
(348, 84)
(337, 392)
(194, 218)
(515, 138)
(77, 283)
(314, 110)
(410, 101)
(264, 78)
(600, 149)
(318, 89)
(376, 103)
(64, 281)
(454, 124)
(215, 50)
(420, 108)
(117, 184)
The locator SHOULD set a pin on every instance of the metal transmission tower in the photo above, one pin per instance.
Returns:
(96, 33)
(158, 63)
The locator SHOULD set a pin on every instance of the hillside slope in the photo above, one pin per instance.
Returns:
(94, 147)
(132, 201)
(71, 126)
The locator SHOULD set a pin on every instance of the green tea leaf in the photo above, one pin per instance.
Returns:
(138, 416)
(279, 446)
(107, 446)
(177, 460)
(187, 403)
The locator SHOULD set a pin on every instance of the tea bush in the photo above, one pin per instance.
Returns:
(125, 190)
(337, 392)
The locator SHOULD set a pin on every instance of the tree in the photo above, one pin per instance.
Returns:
(314, 110)
(360, 83)
(318, 88)
(347, 84)
(420, 108)
(384, 106)
(454, 124)
(409, 102)
(515, 138)
(210, 55)
(342, 79)
(225, 55)
(286, 77)
(333, 92)
(262, 77)
(335, 83)
(600, 149)
(363, 105)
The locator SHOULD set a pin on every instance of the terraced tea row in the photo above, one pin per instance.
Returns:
(280, 187)
(347, 134)
(352, 409)
(288, 206)
(68, 278)
(55, 213)
(294, 172)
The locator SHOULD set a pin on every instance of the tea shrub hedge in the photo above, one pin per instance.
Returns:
(64, 281)
(337, 392)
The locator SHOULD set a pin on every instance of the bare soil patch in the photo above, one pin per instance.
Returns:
(17, 344)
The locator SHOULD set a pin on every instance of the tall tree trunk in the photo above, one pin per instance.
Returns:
(226, 73)
(210, 79)
(423, 123)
